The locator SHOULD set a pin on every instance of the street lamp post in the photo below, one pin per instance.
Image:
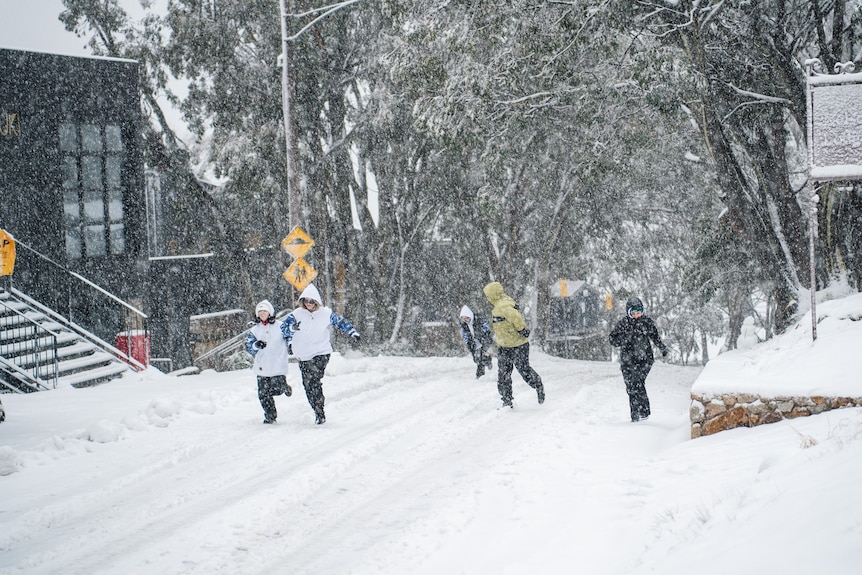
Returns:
(293, 204)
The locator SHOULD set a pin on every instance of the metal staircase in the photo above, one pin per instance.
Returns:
(41, 350)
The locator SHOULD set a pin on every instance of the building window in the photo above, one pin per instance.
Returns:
(92, 158)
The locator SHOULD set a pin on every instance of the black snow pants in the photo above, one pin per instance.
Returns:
(312, 374)
(519, 358)
(634, 375)
(267, 388)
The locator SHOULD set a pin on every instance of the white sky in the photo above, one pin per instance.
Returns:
(34, 25)
(417, 471)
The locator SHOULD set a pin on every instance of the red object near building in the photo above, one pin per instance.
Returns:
(136, 344)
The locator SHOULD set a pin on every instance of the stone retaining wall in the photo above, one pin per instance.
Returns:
(710, 414)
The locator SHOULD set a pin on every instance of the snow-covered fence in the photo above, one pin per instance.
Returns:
(711, 414)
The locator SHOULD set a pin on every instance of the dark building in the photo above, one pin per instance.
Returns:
(577, 324)
(72, 183)
(103, 238)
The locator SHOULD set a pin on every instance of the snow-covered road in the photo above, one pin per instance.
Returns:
(416, 470)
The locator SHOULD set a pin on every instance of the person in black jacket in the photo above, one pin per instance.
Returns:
(476, 333)
(634, 335)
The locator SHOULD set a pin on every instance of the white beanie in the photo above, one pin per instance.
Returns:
(264, 305)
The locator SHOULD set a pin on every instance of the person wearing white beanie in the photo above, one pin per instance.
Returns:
(270, 352)
(476, 333)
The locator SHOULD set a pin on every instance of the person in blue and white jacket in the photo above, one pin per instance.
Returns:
(307, 331)
(270, 352)
(476, 333)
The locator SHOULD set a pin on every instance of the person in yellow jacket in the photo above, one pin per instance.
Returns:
(513, 345)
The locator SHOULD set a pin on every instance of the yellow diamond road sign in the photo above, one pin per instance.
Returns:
(297, 243)
(300, 274)
(7, 253)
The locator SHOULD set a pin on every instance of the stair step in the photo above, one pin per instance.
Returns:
(31, 345)
(65, 353)
(80, 363)
(14, 304)
(92, 360)
(15, 320)
(94, 376)
(19, 333)
(76, 349)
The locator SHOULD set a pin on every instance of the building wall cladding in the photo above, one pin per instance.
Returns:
(70, 127)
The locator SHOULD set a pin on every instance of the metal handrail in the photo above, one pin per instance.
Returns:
(222, 347)
(229, 343)
(40, 340)
(83, 279)
(87, 334)
(81, 331)
(34, 382)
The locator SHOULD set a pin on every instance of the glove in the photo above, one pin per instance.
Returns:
(296, 326)
(664, 352)
(260, 344)
(524, 332)
(355, 338)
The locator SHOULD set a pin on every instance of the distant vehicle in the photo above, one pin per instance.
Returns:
(577, 327)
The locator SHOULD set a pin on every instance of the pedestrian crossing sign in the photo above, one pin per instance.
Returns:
(300, 274)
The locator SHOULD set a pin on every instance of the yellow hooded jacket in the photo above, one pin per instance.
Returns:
(506, 320)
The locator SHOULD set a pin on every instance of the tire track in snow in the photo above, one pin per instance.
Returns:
(184, 509)
(349, 528)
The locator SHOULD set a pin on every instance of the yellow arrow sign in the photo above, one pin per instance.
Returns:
(300, 274)
(297, 242)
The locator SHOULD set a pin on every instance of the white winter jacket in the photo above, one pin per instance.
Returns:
(273, 359)
(308, 332)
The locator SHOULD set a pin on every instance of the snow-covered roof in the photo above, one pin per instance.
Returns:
(90, 57)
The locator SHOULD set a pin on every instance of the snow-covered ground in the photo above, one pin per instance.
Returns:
(417, 471)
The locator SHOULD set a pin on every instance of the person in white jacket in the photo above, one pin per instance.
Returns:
(307, 331)
(270, 351)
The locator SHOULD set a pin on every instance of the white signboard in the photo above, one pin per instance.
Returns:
(835, 126)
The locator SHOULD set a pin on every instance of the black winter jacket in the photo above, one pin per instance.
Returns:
(633, 337)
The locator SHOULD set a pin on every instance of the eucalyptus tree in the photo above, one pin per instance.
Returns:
(230, 51)
(540, 98)
(226, 55)
(474, 72)
(749, 96)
